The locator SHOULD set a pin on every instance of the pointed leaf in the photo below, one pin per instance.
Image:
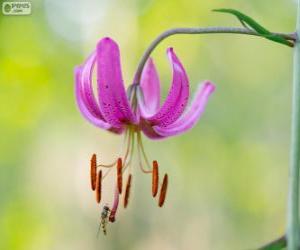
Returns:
(248, 21)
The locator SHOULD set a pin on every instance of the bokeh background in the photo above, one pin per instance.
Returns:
(228, 176)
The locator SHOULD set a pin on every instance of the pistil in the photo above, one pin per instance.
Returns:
(112, 216)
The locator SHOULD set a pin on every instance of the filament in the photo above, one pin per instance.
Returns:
(127, 163)
(140, 143)
(141, 149)
(128, 146)
(107, 165)
(106, 173)
(141, 163)
(127, 137)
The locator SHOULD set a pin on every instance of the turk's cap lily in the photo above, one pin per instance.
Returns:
(138, 110)
(110, 108)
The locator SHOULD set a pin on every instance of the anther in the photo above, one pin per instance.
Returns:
(119, 175)
(163, 191)
(155, 178)
(99, 186)
(93, 171)
(127, 191)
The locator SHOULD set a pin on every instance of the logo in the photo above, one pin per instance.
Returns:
(16, 8)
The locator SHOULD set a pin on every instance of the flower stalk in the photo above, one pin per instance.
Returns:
(293, 192)
(206, 30)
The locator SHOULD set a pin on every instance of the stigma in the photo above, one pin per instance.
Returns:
(122, 169)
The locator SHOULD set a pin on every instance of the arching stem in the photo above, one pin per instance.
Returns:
(207, 30)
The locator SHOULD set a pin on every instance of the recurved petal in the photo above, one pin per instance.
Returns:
(112, 96)
(193, 114)
(149, 131)
(150, 87)
(87, 86)
(177, 98)
(83, 107)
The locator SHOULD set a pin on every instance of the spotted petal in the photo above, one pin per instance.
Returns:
(191, 117)
(177, 98)
(113, 101)
(83, 106)
(150, 101)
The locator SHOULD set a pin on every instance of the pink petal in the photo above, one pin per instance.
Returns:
(150, 88)
(193, 114)
(86, 81)
(112, 96)
(149, 131)
(85, 109)
(177, 98)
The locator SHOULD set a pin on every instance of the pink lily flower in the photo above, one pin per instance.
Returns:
(110, 107)
(114, 112)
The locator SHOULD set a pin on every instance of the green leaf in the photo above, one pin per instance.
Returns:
(278, 244)
(250, 22)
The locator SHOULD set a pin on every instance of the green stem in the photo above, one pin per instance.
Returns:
(293, 192)
(206, 30)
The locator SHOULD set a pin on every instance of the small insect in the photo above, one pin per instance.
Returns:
(104, 219)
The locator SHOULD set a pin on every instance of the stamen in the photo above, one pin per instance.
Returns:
(119, 175)
(127, 138)
(99, 186)
(127, 163)
(107, 165)
(112, 216)
(155, 178)
(125, 157)
(163, 191)
(127, 191)
(141, 164)
(93, 171)
(106, 173)
(141, 148)
(128, 146)
(140, 158)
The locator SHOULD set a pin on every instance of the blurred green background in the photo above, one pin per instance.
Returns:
(228, 176)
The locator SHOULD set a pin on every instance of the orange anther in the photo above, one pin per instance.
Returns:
(163, 191)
